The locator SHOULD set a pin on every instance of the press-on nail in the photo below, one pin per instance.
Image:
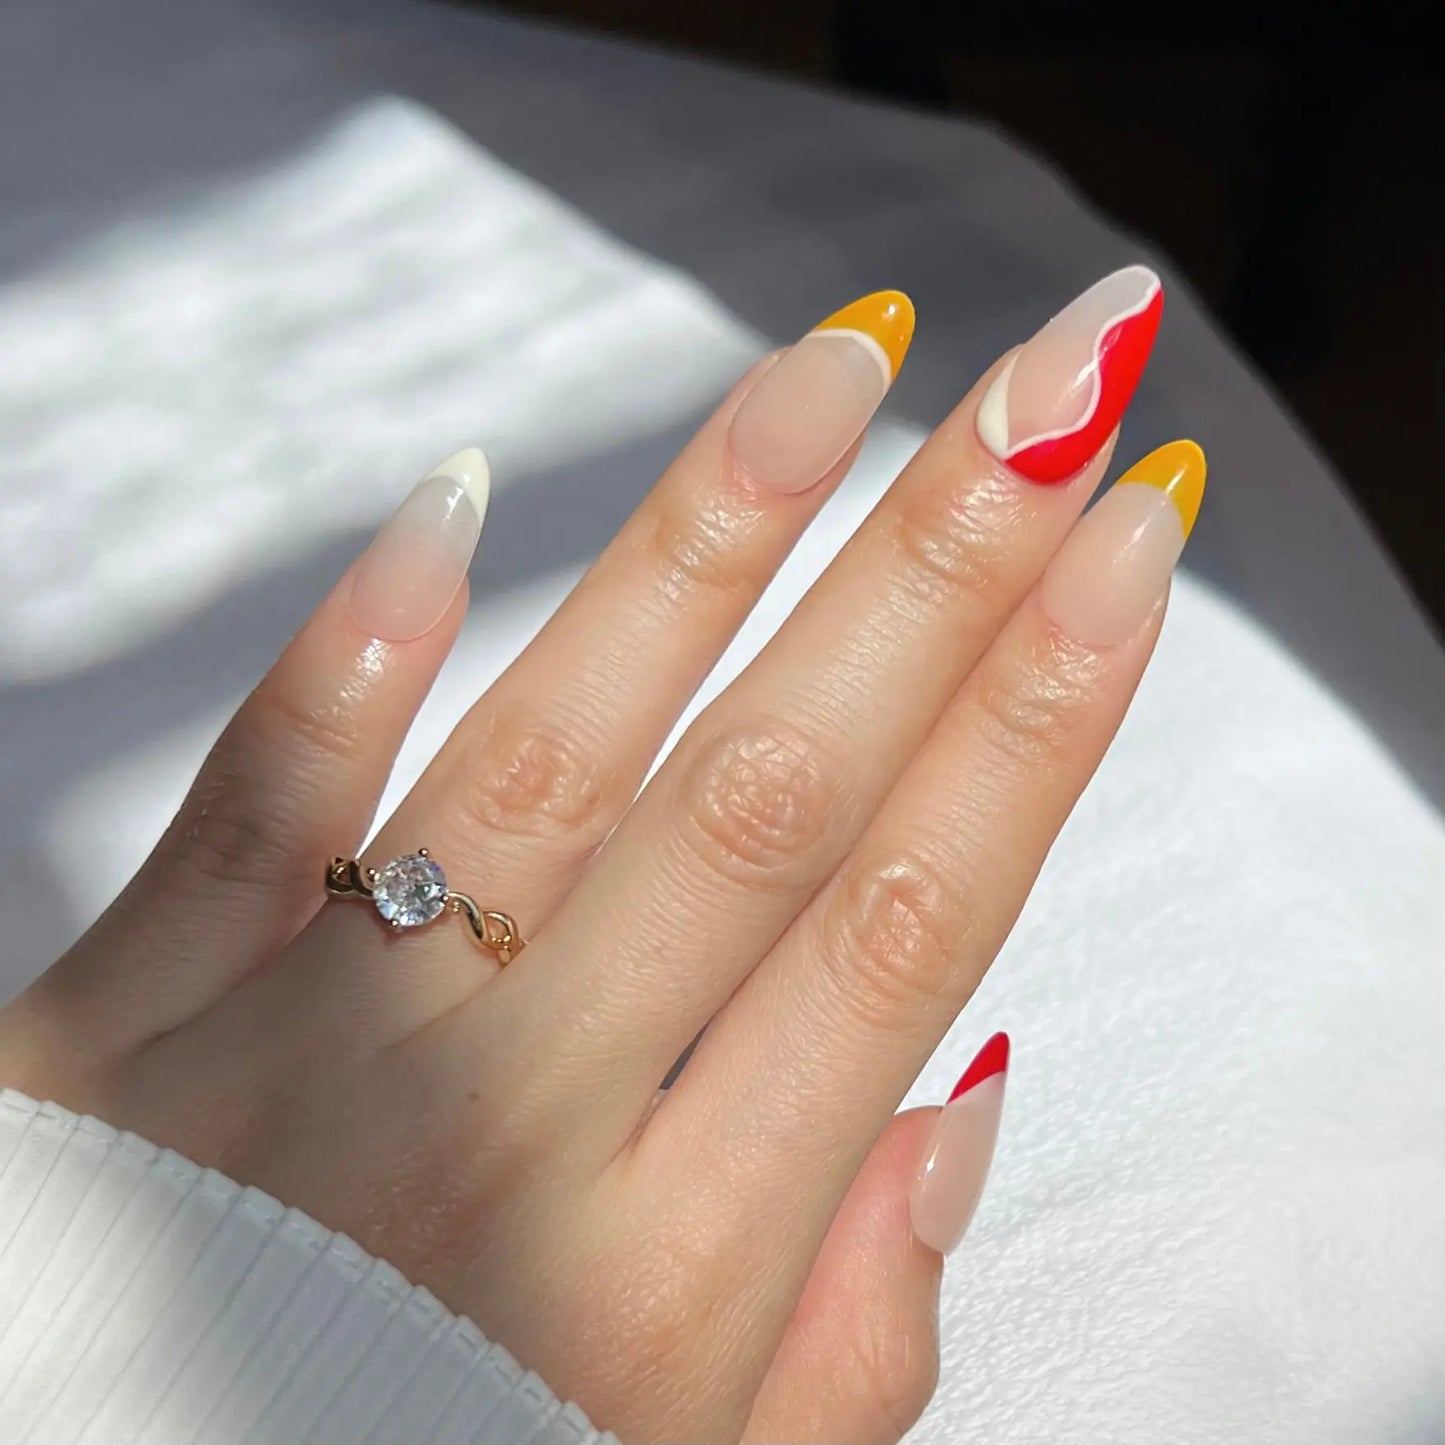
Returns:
(809, 408)
(1109, 576)
(1056, 400)
(410, 573)
(955, 1165)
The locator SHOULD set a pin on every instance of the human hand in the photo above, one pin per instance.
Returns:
(819, 875)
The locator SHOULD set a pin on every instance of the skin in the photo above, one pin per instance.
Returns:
(821, 872)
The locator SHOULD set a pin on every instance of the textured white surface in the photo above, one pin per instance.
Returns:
(1215, 1211)
(305, 340)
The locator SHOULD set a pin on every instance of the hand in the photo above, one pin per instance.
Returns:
(819, 874)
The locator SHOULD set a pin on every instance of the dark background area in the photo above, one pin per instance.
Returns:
(1284, 155)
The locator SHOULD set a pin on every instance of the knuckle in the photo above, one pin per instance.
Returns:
(895, 925)
(672, 1300)
(321, 735)
(239, 824)
(757, 798)
(1029, 707)
(669, 1307)
(896, 1370)
(699, 550)
(529, 776)
(958, 547)
(226, 835)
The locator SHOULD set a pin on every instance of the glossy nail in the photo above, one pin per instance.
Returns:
(406, 580)
(810, 407)
(955, 1165)
(1059, 397)
(1110, 575)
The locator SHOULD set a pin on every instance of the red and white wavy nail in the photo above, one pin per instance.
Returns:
(1059, 396)
(955, 1164)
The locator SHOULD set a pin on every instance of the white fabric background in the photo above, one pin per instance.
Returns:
(1215, 1211)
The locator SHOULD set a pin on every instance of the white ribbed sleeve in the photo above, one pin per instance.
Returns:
(145, 1299)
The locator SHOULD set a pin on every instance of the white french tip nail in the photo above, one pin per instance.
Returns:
(470, 467)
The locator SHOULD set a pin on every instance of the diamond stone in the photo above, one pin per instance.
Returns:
(409, 891)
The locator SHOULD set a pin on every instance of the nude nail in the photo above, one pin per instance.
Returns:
(955, 1165)
(406, 580)
(1111, 574)
(1055, 402)
(808, 409)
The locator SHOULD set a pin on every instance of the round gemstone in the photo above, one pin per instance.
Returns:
(410, 890)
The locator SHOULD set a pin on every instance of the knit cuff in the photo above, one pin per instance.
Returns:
(145, 1299)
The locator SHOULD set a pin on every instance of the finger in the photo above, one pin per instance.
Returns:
(775, 782)
(537, 774)
(955, 1165)
(874, 972)
(859, 1359)
(293, 779)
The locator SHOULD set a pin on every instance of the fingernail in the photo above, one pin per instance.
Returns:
(1106, 580)
(1057, 400)
(955, 1165)
(805, 412)
(406, 580)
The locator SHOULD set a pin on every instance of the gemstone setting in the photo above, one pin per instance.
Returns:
(409, 891)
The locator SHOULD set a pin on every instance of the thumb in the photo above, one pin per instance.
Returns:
(859, 1360)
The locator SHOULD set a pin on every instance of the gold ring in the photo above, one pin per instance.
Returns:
(412, 890)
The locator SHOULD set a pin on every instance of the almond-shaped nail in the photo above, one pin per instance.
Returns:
(955, 1165)
(408, 576)
(810, 407)
(1059, 397)
(1105, 582)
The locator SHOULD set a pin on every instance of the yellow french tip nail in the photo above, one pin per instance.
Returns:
(885, 318)
(1178, 469)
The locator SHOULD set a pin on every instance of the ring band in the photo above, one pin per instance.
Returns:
(412, 890)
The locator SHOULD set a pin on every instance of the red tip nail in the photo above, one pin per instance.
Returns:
(991, 1059)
